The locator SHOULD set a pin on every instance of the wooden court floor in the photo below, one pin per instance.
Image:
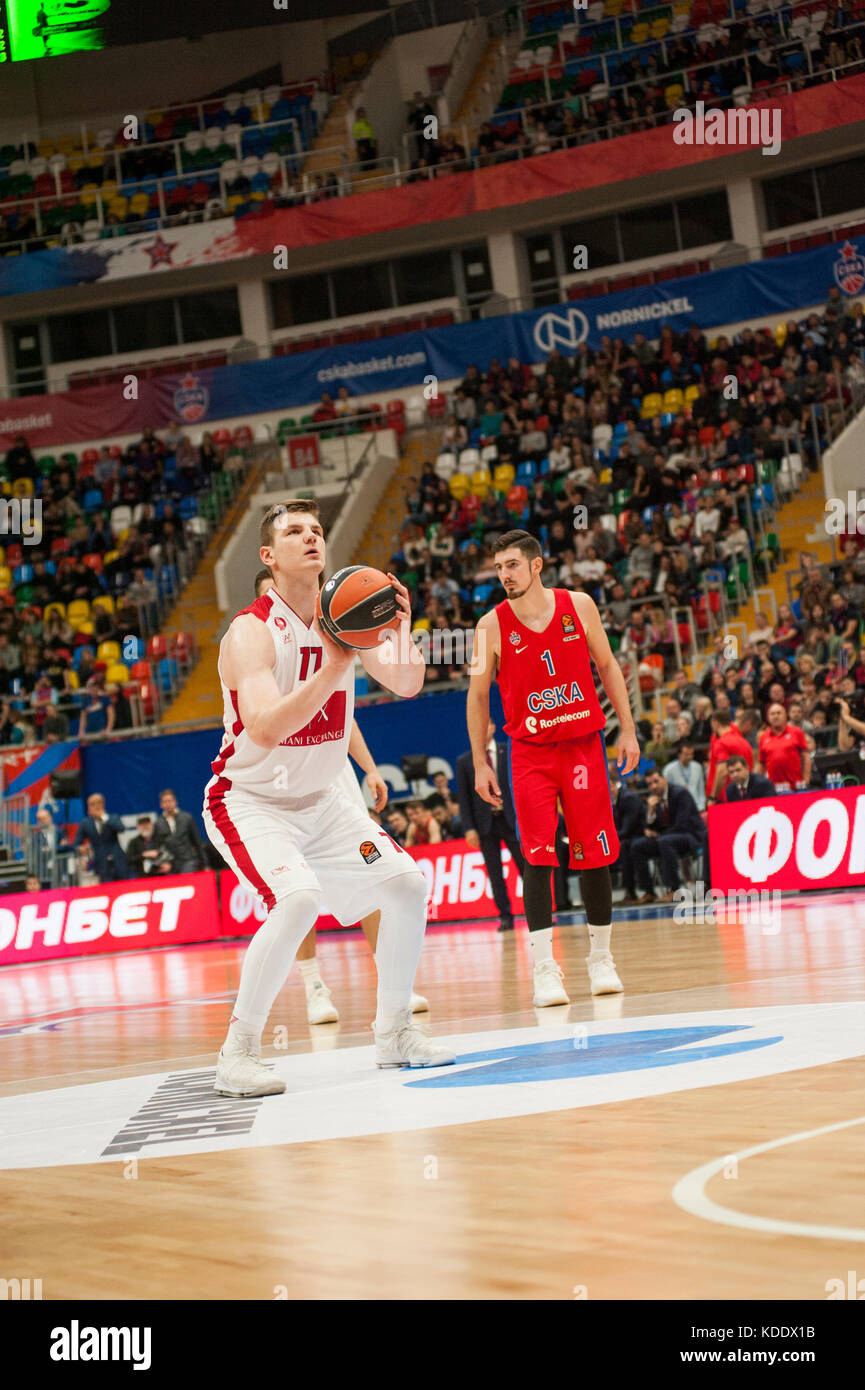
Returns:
(699, 1137)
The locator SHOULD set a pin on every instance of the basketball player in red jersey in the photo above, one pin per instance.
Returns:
(538, 644)
(275, 811)
(320, 1008)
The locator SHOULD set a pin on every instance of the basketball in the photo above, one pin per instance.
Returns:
(356, 605)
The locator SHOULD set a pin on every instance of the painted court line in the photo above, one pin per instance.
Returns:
(689, 1193)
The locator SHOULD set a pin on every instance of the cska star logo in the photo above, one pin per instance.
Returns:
(515, 639)
(849, 270)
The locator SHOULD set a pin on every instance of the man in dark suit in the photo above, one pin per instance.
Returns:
(102, 832)
(487, 829)
(629, 817)
(49, 842)
(745, 785)
(674, 827)
(177, 833)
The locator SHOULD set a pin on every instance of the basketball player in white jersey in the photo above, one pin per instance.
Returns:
(276, 813)
(320, 1008)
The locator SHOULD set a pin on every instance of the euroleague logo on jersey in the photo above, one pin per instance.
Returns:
(569, 629)
(369, 853)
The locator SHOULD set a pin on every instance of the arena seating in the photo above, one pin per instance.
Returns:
(81, 609)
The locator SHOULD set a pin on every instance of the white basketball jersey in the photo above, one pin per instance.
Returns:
(311, 759)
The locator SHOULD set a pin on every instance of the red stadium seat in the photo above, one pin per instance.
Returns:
(93, 562)
(221, 437)
(140, 671)
(157, 647)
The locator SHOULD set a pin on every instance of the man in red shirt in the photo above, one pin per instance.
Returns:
(783, 750)
(726, 740)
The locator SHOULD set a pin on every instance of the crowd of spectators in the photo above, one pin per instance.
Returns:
(52, 683)
(744, 52)
(640, 527)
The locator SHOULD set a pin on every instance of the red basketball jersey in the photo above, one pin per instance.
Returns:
(545, 678)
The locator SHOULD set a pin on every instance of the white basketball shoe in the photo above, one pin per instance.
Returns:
(241, 1072)
(602, 974)
(407, 1046)
(319, 1005)
(549, 988)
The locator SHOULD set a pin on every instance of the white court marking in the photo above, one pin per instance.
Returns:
(689, 1193)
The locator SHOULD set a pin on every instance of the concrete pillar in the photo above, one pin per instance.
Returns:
(746, 214)
(507, 266)
(252, 298)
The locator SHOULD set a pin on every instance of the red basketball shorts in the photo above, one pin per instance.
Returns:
(573, 773)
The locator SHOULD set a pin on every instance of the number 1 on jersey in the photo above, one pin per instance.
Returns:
(547, 659)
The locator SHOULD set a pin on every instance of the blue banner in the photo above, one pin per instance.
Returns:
(433, 724)
(769, 290)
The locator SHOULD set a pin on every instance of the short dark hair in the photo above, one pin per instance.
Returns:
(304, 506)
(520, 540)
(433, 801)
(737, 758)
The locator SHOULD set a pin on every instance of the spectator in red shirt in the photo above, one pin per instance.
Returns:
(326, 410)
(726, 740)
(783, 750)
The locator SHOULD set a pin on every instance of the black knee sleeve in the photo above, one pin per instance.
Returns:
(596, 887)
(538, 895)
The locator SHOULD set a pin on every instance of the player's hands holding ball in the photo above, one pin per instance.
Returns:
(335, 653)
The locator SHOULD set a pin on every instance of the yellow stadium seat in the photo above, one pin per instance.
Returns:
(233, 202)
(118, 207)
(117, 674)
(72, 677)
(691, 394)
(45, 149)
(5, 578)
(89, 195)
(109, 556)
(139, 204)
(422, 625)
(673, 94)
(6, 486)
(639, 33)
(95, 161)
(83, 625)
(781, 334)
(652, 405)
(660, 27)
(674, 400)
(503, 476)
(108, 651)
(459, 484)
(2, 555)
(104, 601)
(481, 482)
(51, 608)
(22, 487)
(78, 610)
(66, 144)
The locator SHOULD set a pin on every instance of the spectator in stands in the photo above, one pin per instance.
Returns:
(144, 855)
(423, 828)
(745, 785)
(629, 818)
(211, 456)
(102, 833)
(397, 824)
(97, 715)
(685, 771)
(177, 832)
(55, 726)
(673, 829)
(783, 750)
(363, 136)
(19, 462)
(726, 740)
(7, 721)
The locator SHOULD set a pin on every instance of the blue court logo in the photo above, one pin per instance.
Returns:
(596, 1055)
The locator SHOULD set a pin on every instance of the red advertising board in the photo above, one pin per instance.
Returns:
(456, 880)
(803, 840)
(127, 916)
(303, 451)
